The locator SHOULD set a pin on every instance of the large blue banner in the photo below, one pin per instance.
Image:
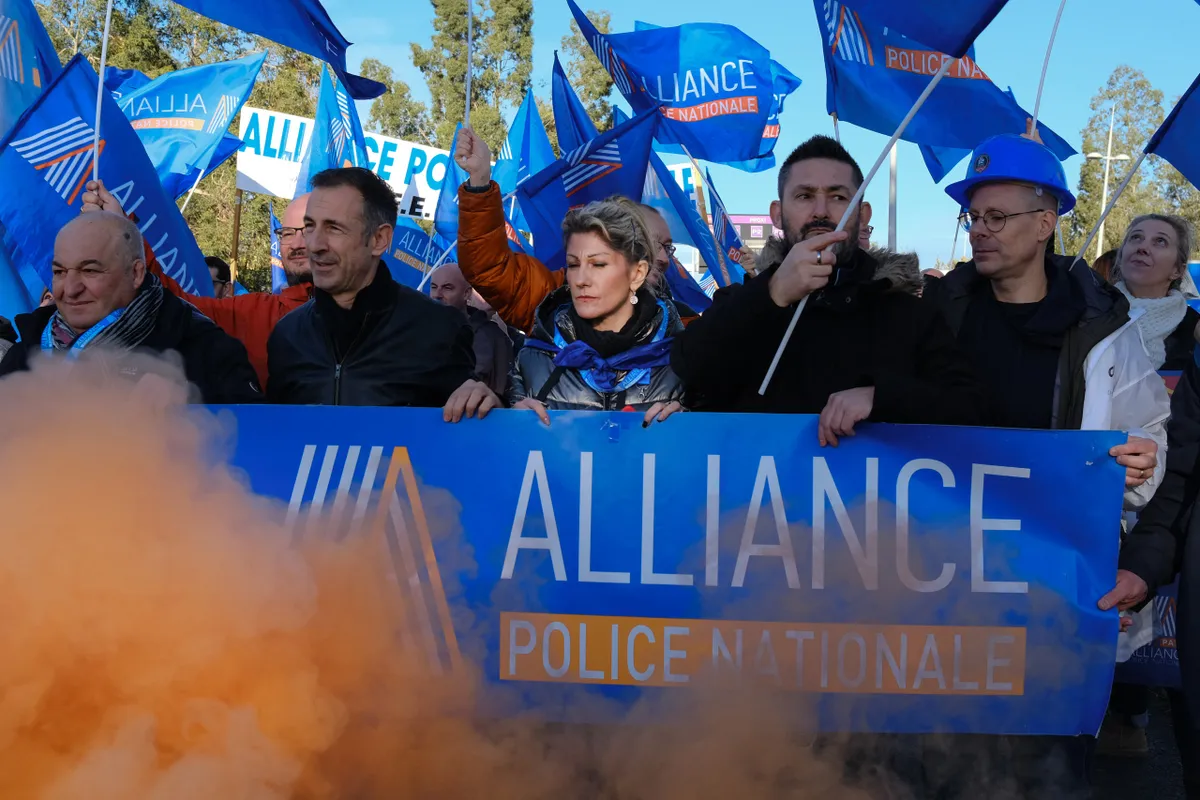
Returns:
(913, 579)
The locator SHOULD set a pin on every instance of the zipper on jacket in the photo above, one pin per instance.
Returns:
(337, 369)
(337, 383)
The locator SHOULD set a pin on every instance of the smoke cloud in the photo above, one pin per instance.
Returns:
(163, 635)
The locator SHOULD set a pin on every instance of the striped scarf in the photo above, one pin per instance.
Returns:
(125, 328)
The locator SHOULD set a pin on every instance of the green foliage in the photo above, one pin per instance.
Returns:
(587, 75)
(397, 114)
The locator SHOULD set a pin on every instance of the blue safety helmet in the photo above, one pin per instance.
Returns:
(1009, 158)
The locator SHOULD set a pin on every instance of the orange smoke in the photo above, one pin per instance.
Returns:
(162, 637)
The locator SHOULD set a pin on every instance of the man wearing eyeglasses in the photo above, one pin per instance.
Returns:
(1056, 348)
(250, 317)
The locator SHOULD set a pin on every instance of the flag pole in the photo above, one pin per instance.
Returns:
(470, 45)
(1037, 104)
(100, 93)
(1111, 204)
(1062, 248)
(892, 202)
(854, 201)
(191, 191)
(836, 133)
(954, 246)
(237, 231)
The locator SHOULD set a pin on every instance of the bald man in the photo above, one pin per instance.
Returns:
(251, 317)
(106, 299)
(493, 348)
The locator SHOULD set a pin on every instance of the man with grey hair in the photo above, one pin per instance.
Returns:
(104, 299)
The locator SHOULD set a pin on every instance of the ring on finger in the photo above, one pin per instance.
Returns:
(819, 254)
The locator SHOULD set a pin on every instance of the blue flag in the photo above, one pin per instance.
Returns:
(661, 193)
(783, 83)
(728, 268)
(120, 82)
(950, 26)
(412, 253)
(1175, 140)
(527, 149)
(302, 25)
(337, 139)
(940, 161)
(28, 60)
(708, 283)
(684, 288)
(571, 121)
(46, 160)
(279, 280)
(875, 76)
(712, 83)
(613, 163)
(183, 117)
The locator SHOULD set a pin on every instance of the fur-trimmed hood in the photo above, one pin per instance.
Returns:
(902, 271)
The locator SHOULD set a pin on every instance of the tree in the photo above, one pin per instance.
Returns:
(397, 113)
(1139, 112)
(587, 75)
(501, 61)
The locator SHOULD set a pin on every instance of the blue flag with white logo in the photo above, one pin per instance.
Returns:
(279, 279)
(712, 83)
(728, 268)
(183, 116)
(412, 253)
(527, 149)
(783, 84)
(614, 162)
(1175, 140)
(875, 75)
(572, 124)
(337, 140)
(950, 26)
(121, 82)
(46, 160)
(445, 216)
(28, 60)
(302, 25)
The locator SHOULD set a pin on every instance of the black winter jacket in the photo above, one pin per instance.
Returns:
(1181, 344)
(871, 330)
(534, 367)
(213, 361)
(407, 350)
(1105, 311)
(1166, 540)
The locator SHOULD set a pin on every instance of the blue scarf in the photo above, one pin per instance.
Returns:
(600, 373)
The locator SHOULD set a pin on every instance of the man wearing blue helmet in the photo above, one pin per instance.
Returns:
(1056, 348)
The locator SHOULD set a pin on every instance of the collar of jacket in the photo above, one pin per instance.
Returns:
(883, 270)
(378, 295)
(547, 317)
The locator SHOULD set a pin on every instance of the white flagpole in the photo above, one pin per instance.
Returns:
(100, 92)
(470, 45)
(854, 201)
(1111, 204)
(1037, 104)
(892, 202)
(1062, 248)
(191, 191)
(954, 247)
(836, 133)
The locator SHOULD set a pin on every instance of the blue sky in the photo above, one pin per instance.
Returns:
(1156, 36)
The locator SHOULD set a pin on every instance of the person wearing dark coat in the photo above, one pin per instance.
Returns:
(106, 299)
(602, 341)
(865, 347)
(365, 340)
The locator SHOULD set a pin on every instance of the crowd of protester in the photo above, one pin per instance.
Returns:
(1017, 337)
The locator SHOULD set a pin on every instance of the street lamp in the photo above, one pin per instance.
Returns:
(1108, 158)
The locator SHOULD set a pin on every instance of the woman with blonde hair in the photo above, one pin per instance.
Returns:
(602, 341)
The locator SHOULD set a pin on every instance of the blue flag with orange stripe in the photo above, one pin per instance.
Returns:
(47, 158)
(613, 163)
(950, 26)
(713, 83)
(875, 75)
(28, 60)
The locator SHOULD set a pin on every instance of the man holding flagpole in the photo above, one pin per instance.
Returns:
(866, 350)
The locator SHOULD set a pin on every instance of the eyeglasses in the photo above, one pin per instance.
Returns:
(869, 229)
(670, 249)
(287, 233)
(994, 221)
